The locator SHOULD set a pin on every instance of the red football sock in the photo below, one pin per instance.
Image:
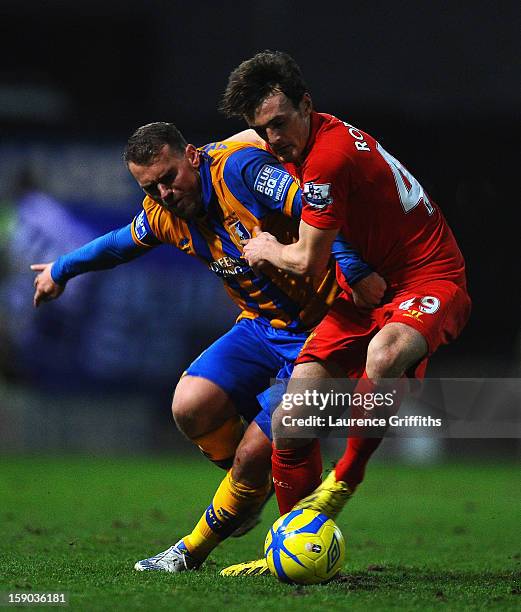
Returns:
(351, 466)
(296, 473)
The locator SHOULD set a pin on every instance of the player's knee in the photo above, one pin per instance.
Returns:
(383, 360)
(393, 351)
(200, 406)
(185, 411)
(281, 433)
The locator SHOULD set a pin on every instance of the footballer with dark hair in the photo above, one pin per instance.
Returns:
(352, 184)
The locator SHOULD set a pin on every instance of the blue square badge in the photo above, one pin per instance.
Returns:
(272, 182)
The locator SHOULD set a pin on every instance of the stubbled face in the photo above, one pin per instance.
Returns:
(172, 180)
(284, 127)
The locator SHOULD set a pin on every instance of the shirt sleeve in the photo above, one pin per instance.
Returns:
(349, 261)
(261, 184)
(325, 190)
(105, 252)
(141, 228)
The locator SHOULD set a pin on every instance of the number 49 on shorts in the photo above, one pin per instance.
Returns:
(427, 304)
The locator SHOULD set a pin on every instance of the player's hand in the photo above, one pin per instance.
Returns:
(45, 288)
(258, 248)
(368, 292)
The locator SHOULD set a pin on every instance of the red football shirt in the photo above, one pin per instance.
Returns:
(351, 183)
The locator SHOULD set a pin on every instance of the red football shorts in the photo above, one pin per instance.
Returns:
(439, 310)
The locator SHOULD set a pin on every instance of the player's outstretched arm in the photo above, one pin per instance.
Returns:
(45, 289)
(105, 252)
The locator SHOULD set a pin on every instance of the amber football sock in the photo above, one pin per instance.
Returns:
(220, 444)
(233, 502)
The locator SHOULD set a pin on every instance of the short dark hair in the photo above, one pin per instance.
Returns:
(255, 79)
(147, 141)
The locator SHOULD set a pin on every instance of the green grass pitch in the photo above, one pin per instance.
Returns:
(442, 537)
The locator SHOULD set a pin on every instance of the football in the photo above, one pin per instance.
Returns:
(304, 546)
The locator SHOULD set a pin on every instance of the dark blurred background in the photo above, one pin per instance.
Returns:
(437, 83)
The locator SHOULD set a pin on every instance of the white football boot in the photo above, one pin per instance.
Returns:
(174, 559)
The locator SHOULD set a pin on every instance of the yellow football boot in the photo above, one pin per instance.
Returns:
(329, 497)
(258, 567)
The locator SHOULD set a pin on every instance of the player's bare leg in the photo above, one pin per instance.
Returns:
(392, 351)
(206, 415)
(296, 463)
(252, 462)
(239, 496)
(204, 412)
